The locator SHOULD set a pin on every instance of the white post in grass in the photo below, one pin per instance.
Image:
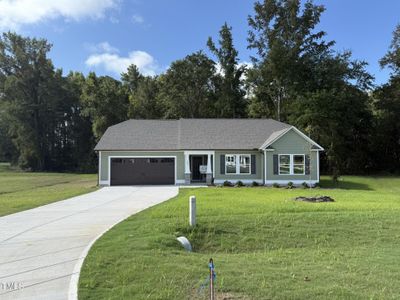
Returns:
(192, 210)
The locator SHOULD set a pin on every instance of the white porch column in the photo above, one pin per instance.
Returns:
(209, 172)
(187, 164)
(209, 164)
(187, 169)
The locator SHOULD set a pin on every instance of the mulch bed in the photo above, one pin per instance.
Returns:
(316, 199)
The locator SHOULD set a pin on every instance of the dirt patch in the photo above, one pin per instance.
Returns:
(317, 199)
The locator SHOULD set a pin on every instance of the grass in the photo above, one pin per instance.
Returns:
(264, 245)
(24, 190)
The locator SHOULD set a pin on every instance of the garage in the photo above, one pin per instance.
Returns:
(142, 171)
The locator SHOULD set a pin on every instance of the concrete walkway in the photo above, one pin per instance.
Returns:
(42, 249)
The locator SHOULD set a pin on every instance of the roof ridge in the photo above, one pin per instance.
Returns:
(227, 119)
(169, 120)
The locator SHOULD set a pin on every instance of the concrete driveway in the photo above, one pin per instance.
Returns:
(42, 249)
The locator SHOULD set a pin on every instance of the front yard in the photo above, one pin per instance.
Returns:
(264, 246)
(24, 190)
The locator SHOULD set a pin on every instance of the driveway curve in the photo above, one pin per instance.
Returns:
(42, 249)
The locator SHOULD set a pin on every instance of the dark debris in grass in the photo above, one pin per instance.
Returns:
(316, 199)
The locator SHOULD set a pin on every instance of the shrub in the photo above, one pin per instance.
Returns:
(239, 183)
(305, 185)
(275, 185)
(227, 183)
(254, 183)
(290, 185)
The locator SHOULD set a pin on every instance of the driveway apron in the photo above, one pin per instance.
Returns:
(42, 249)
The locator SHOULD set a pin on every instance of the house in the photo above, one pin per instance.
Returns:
(200, 151)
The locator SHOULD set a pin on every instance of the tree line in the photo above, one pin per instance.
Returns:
(51, 121)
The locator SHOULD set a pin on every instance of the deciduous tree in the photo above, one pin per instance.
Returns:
(104, 102)
(188, 87)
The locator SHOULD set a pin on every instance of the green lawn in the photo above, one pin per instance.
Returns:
(263, 243)
(23, 190)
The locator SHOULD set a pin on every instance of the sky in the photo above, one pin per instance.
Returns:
(106, 36)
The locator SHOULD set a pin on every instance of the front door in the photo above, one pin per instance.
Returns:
(197, 161)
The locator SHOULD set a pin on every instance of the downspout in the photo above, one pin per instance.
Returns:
(98, 168)
(265, 166)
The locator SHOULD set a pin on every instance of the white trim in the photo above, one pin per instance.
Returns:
(142, 156)
(103, 182)
(180, 181)
(237, 161)
(144, 151)
(265, 166)
(264, 146)
(198, 152)
(291, 164)
(100, 181)
(318, 178)
(296, 182)
(233, 181)
(201, 152)
(308, 138)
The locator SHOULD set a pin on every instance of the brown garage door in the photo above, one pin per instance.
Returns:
(142, 171)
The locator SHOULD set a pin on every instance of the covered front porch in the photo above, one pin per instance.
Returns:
(199, 167)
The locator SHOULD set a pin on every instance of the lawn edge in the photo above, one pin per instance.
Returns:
(73, 289)
(96, 188)
(74, 281)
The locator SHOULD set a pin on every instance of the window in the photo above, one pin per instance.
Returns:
(237, 164)
(284, 164)
(244, 164)
(298, 165)
(230, 164)
(291, 164)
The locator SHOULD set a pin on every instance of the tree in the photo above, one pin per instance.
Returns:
(27, 83)
(104, 102)
(145, 102)
(79, 156)
(340, 120)
(7, 149)
(143, 91)
(132, 78)
(230, 94)
(386, 140)
(386, 106)
(336, 111)
(298, 78)
(392, 57)
(282, 34)
(188, 87)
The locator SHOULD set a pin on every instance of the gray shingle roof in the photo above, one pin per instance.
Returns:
(190, 134)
